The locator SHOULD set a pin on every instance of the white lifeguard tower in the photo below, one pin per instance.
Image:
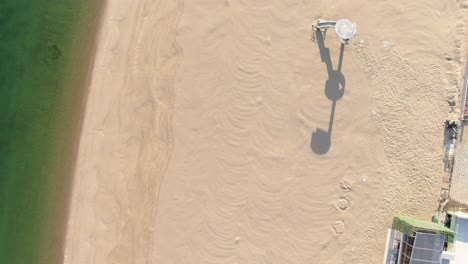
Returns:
(345, 30)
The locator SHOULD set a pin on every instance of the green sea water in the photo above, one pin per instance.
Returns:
(45, 56)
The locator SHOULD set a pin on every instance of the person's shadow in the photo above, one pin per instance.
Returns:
(334, 90)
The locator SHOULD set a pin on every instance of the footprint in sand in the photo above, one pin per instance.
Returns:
(339, 227)
(342, 204)
(345, 184)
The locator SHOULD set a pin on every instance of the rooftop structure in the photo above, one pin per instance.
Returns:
(413, 241)
(464, 103)
(459, 177)
(345, 30)
(458, 253)
(410, 226)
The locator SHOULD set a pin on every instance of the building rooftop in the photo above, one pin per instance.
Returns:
(459, 180)
(410, 226)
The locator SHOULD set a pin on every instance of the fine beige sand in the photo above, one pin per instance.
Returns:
(216, 131)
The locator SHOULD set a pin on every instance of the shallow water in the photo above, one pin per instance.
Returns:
(45, 48)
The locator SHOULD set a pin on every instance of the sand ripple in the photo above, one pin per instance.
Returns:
(218, 166)
(254, 191)
(249, 93)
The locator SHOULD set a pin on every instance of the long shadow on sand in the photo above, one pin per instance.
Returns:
(334, 90)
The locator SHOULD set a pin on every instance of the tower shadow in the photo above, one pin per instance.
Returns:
(334, 91)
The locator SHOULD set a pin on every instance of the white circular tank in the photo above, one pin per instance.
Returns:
(345, 30)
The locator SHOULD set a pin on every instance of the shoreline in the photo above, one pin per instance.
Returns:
(79, 131)
(42, 80)
(82, 52)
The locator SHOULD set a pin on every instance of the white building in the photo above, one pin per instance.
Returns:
(412, 241)
(458, 253)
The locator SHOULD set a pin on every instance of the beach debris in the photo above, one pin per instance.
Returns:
(453, 125)
(386, 44)
(451, 134)
(362, 43)
(365, 180)
(237, 239)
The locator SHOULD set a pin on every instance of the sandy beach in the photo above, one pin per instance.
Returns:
(214, 131)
